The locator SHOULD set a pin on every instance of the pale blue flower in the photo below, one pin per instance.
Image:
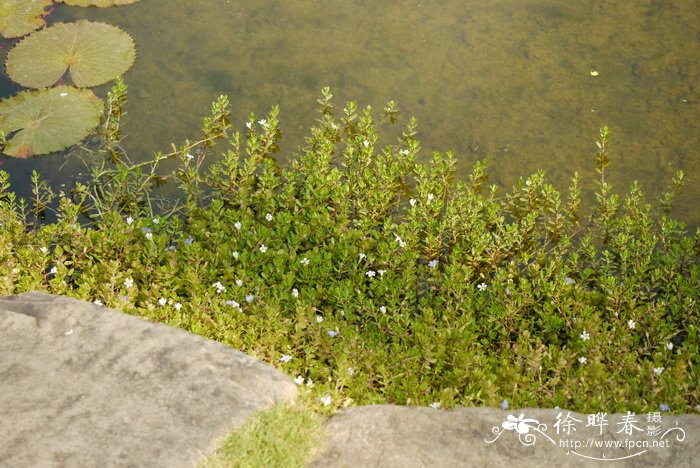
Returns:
(249, 298)
(432, 263)
(664, 407)
(504, 405)
(332, 333)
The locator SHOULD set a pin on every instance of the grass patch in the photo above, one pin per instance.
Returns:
(283, 435)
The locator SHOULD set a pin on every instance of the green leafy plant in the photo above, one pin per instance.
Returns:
(370, 276)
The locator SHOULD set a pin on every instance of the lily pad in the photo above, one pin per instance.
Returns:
(99, 3)
(93, 54)
(40, 122)
(20, 17)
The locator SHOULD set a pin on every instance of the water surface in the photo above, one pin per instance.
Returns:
(504, 80)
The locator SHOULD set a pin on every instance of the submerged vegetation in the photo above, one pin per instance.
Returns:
(371, 277)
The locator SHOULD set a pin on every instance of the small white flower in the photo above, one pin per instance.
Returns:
(412, 201)
(432, 263)
(404, 152)
(631, 324)
(585, 336)
(366, 143)
(309, 383)
(263, 122)
(669, 346)
(239, 283)
(149, 235)
(326, 400)
(299, 380)
(582, 360)
(382, 309)
(362, 256)
(162, 301)
(237, 225)
(219, 287)
(235, 255)
(156, 220)
(528, 182)
(249, 125)
(658, 370)
(189, 157)
(268, 217)
(304, 261)
(481, 287)
(285, 358)
(43, 249)
(351, 371)
(435, 405)
(263, 248)
(332, 333)
(319, 318)
(401, 242)
(381, 272)
(177, 306)
(233, 304)
(128, 283)
(295, 292)
(97, 302)
(53, 270)
(430, 197)
(129, 220)
(371, 274)
(569, 281)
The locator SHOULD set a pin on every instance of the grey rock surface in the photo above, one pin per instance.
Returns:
(399, 436)
(85, 385)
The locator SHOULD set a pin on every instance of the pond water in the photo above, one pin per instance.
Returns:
(509, 81)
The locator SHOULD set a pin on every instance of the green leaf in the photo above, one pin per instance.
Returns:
(40, 122)
(20, 17)
(99, 3)
(93, 54)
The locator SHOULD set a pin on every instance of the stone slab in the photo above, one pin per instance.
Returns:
(413, 437)
(85, 385)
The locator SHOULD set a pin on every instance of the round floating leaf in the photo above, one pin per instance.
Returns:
(40, 122)
(93, 53)
(99, 3)
(20, 17)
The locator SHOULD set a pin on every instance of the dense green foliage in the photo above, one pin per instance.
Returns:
(373, 278)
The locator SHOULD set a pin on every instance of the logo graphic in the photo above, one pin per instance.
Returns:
(579, 438)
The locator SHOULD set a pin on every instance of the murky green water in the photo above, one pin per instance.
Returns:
(505, 80)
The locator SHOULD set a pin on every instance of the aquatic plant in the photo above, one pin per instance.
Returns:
(20, 17)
